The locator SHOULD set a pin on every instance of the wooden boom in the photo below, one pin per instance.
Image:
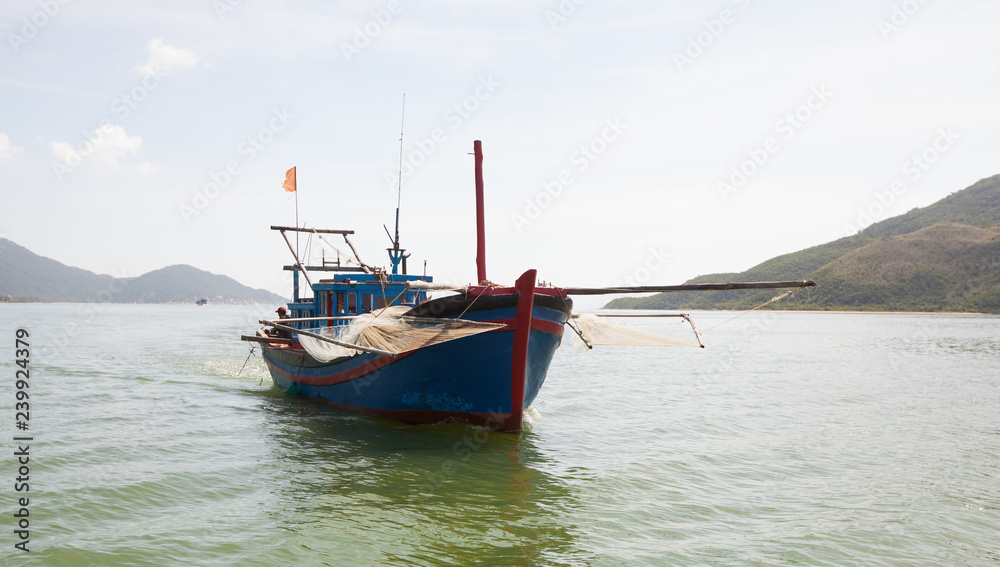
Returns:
(316, 230)
(688, 287)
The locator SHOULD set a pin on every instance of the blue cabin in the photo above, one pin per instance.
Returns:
(353, 290)
(351, 294)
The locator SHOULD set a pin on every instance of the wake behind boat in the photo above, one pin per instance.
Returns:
(370, 340)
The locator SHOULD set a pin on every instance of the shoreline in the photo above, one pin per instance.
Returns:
(832, 311)
(882, 312)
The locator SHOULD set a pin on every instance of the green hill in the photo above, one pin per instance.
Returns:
(26, 276)
(186, 284)
(978, 205)
(943, 257)
(944, 267)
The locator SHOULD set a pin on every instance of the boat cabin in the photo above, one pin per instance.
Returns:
(354, 294)
(353, 289)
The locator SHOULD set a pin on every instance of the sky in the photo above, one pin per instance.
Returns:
(626, 142)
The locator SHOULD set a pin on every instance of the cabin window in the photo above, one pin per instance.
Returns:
(352, 304)
(366, 302)
(380, 301)
(322, 301)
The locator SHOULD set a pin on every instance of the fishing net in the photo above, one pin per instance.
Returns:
(387, 330)
(599, 331)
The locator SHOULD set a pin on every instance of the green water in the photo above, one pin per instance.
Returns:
(793, 439)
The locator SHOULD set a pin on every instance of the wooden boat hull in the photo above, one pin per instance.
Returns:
(487, 379)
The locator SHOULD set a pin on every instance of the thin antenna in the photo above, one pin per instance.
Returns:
(399, 187)
(395, 253)
(296, 214)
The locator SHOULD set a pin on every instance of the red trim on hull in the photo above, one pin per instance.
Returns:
(345, 376)
(543, 325)
(536, 325)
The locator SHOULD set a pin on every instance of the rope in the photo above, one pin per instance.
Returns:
(246, 361)
(347, 257)
(772, 300)
(469, 306)
(381, 282)
(387, 305)
(571, 325)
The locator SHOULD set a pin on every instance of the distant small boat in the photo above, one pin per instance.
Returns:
(370, 340)
(201, 302)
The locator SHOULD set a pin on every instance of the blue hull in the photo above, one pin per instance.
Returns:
(467, 380)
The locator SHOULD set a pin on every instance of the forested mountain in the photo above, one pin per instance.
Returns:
(26, 276)
(943, 257)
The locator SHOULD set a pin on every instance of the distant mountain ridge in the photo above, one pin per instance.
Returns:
(943, 257)
(26, 276)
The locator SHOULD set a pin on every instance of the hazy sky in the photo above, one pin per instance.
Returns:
(625, 141)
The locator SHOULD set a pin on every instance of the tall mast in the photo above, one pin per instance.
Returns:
(396, 253)
(477, 148)
(399, 186)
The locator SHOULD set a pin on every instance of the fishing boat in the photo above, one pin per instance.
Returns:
(371, 340)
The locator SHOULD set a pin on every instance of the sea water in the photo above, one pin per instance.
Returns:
(792, 439)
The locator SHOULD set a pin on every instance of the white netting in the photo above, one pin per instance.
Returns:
(435, 286)
(600, 331)
(387, 330)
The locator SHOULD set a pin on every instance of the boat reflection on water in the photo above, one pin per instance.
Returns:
(375, 490)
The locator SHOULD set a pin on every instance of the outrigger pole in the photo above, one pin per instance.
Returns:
(689, 287)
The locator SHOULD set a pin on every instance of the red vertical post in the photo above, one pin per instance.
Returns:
(525, 286)
(477, 147)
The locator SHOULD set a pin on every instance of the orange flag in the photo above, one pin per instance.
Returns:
(290, 180)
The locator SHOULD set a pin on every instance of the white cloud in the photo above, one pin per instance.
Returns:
(163, 59)
(8, 150)
(103, 150)
(146, 168)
